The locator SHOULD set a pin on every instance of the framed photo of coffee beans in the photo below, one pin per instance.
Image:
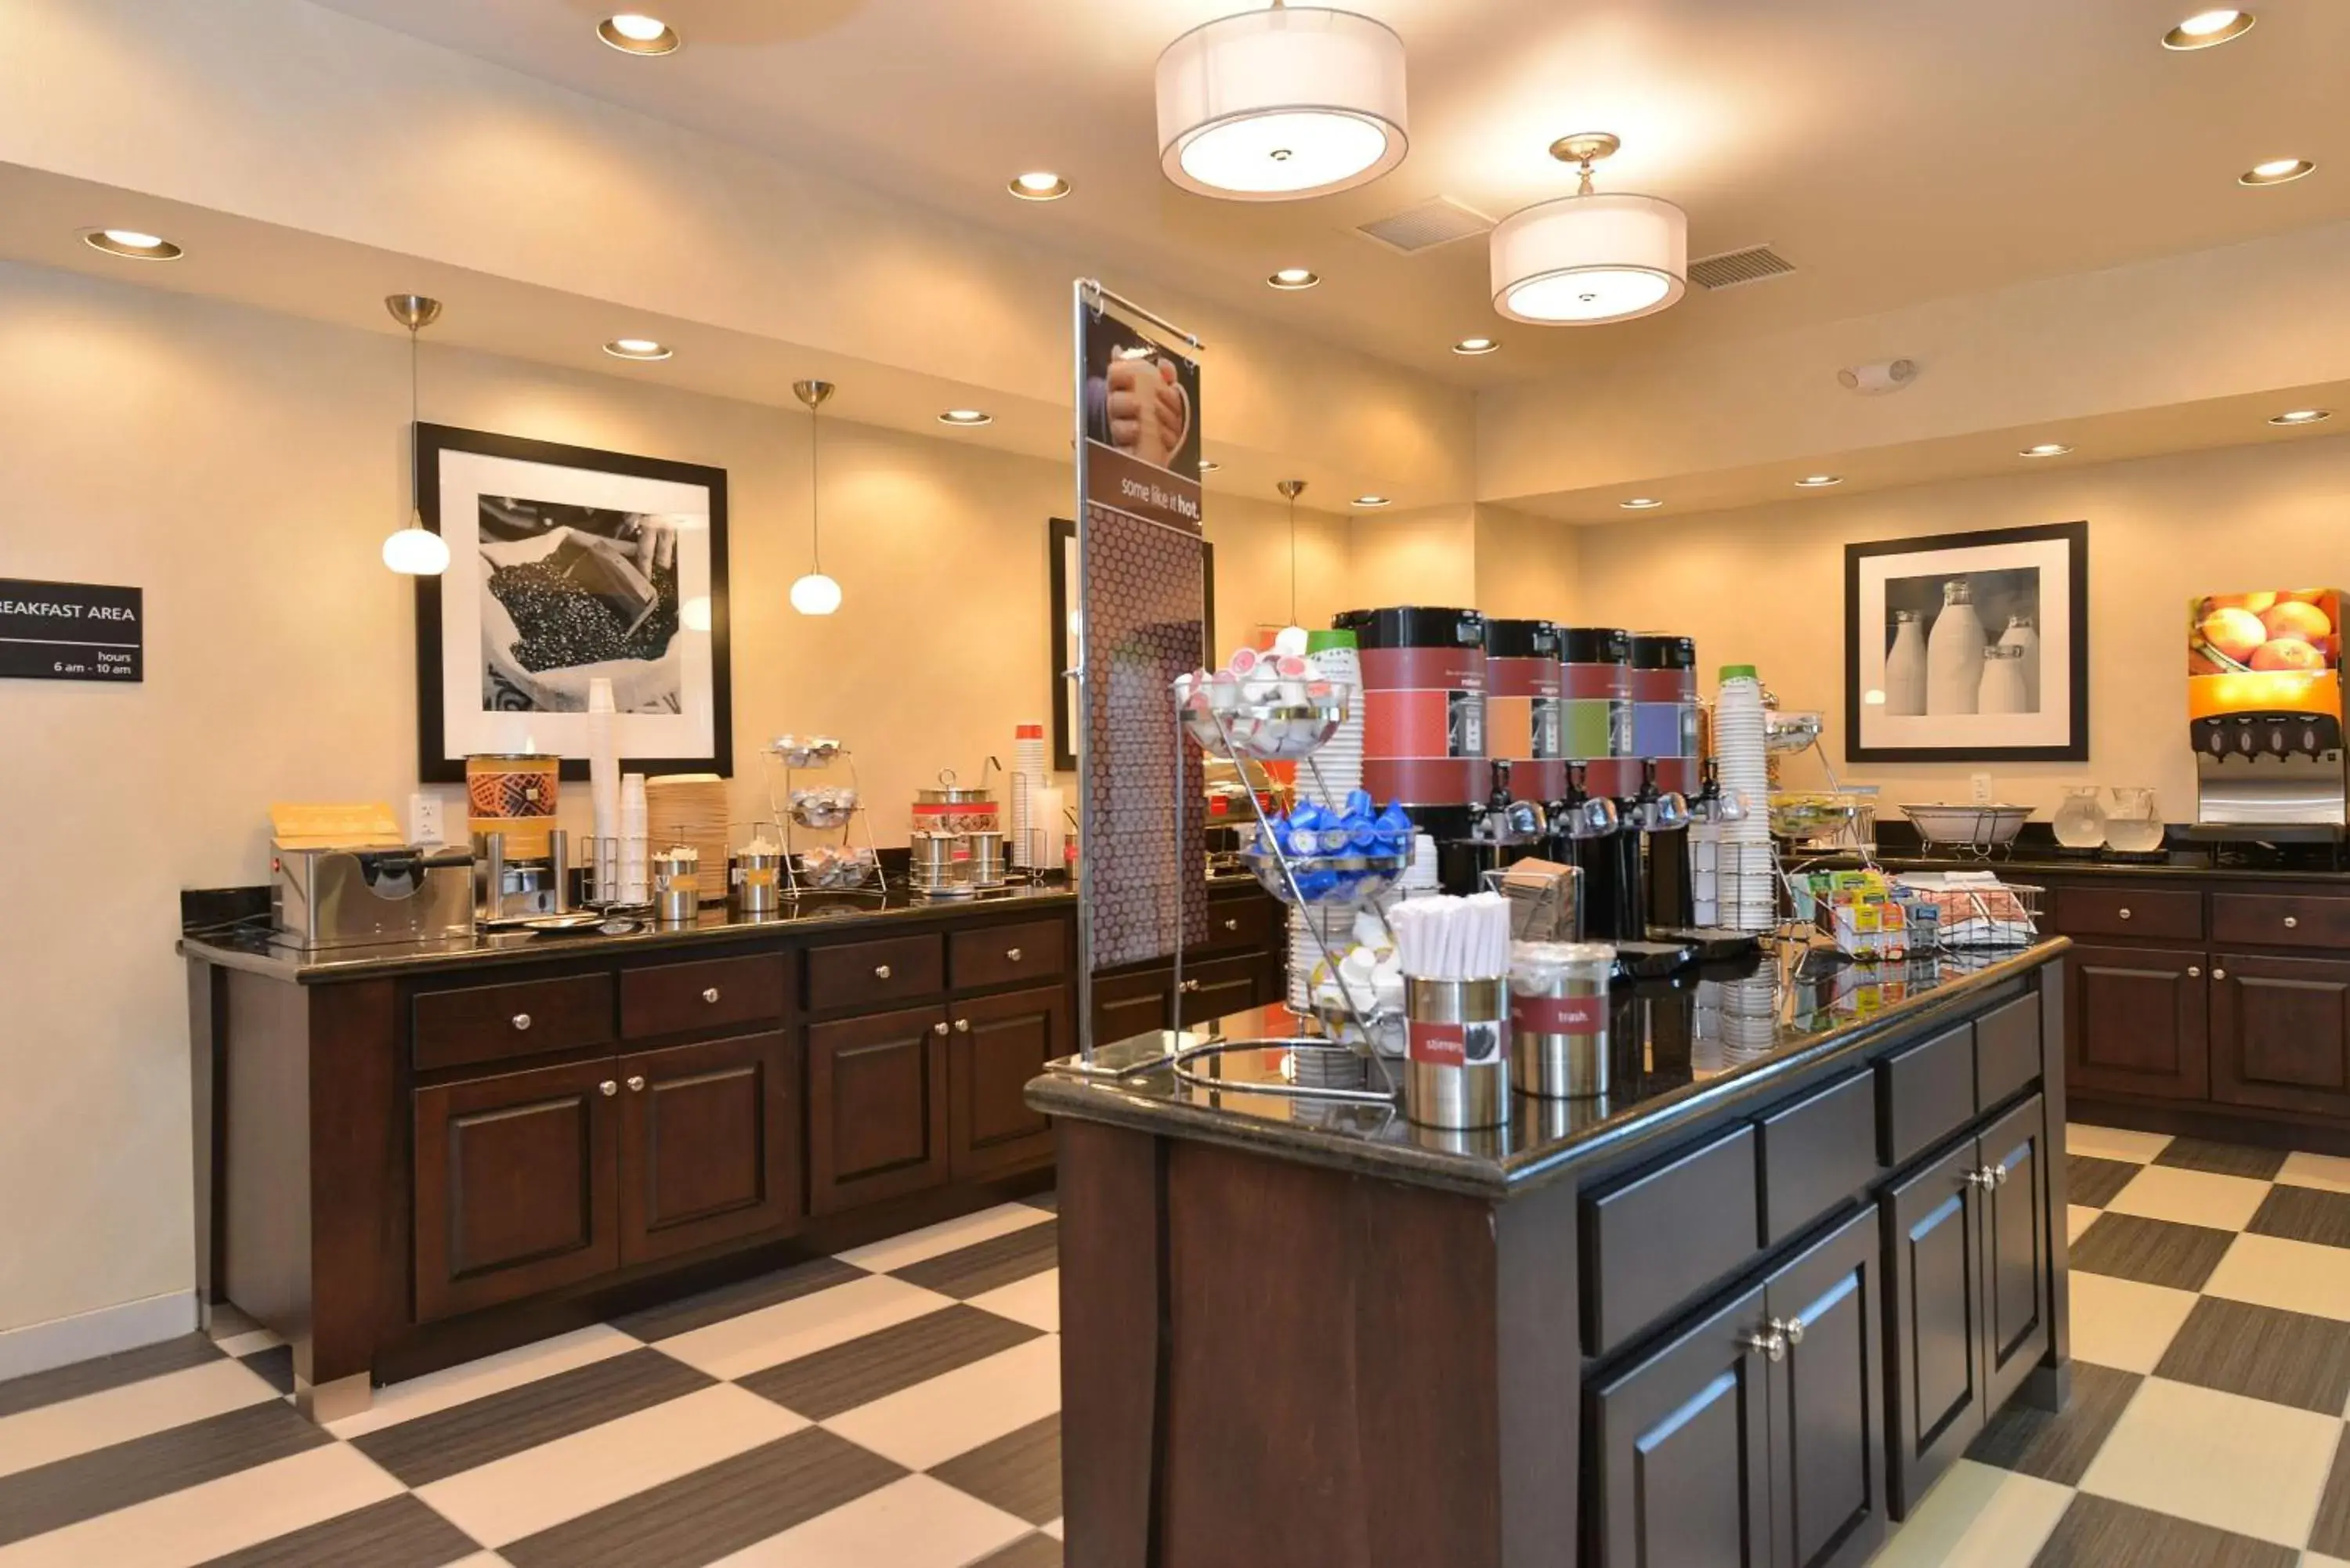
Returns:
(568, 565)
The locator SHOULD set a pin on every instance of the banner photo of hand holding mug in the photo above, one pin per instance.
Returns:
(1142, 425)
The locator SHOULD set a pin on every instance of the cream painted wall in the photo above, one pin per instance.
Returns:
(1765, 585)
(242, 467)
(1528, 567)
(1427, 556)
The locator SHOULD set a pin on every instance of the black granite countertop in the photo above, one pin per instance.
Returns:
(257, 950)
(2026, 864)
(1682, 1049)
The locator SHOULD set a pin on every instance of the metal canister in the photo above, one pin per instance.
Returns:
(1456, 1051)
(1558, 1019)
(955, 808)
(758, 879)
(986, 857)
(939, 863)
(676, 883)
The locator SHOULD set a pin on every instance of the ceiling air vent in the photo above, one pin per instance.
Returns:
(1732, 268)
(1438, 221)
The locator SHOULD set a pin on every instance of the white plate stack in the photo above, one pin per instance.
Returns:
(1749, 895)
(1337, 768)
(1028, 781)
(1336, 922)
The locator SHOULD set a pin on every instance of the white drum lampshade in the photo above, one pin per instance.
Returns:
(1279, 104)
(1599, 258)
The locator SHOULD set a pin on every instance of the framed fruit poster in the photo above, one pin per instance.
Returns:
(2274, 652)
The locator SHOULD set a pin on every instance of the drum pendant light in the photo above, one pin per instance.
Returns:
(814, 594)
(1280, 104)
(414, 551)
(1589, 257)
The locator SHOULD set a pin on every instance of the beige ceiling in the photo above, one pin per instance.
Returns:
(1896, 153)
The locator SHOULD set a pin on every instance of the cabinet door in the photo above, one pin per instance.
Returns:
(2281, 1034)
(2135, 1022)
(1680, 1443)
(1827, 1433)
(709, 1144)
(1220, 987)
(1934, 1281)
(516, 1180)
(998, 1045)
(1126, 1005)
(877, 1108)
(2016, 1266)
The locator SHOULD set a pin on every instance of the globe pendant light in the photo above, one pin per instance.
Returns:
(414, 551)
(1589, 257)
(814, 594)
(1284, 103)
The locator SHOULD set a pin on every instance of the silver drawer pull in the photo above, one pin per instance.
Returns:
(1013, 954)
(1191, 985)
(2195, 972)
(2219, 974)
(940, 1028)
(1792, 1328)
(608, 1087)
(522, 1021)
(1232, 923)
(635, 1084)
(2125, 914)
(880, 971)
(962, 1025)
(1773, 1345)
(2291, 921)
(711, 995)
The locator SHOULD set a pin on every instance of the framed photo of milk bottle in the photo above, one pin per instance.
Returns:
(1969, 648)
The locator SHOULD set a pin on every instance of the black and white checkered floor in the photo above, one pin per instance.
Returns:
(898, 1406)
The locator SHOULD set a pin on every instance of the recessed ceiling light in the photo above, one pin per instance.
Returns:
(2205, 28)
(2045, 448)
(637, 349)
(1640, 504)
(1039, 185)
(1476, 346)
(2302, 416)
(1294, 277)
(634, 33)
(1208, 465)
(136, 243)
(966, 417)
(1370, 501)
(2275, 171)
(1818, 481)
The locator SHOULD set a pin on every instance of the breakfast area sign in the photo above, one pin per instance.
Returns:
(71, 631)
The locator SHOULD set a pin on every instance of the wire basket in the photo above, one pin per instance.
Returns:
(1975, 918)
(1971, 830)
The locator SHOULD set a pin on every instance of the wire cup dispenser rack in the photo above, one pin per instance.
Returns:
(844, 866)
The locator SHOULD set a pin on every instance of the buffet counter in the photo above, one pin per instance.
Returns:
(1295, 1331)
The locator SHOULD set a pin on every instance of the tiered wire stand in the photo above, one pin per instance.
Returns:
(792, 820)
(1226, 730)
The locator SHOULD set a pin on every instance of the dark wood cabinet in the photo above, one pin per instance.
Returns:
(1125, 1005)
(1682, 1449)
(996, 1045)
(1827, 1441)
(1934, 1281)
(2280, 1032)
(1219, 987)
(709, 1144)
(877, 1108)
(515, 1186)
(2136, 1022)
(2016, 1272)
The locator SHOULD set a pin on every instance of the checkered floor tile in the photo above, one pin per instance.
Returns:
(899, 1407)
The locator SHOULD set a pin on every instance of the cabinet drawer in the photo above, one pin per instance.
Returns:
(1816, 1153)
(2278, 920)
(528, 1018)
(2007, 1049)
(1925, 1093)
(2172, 914)
(1661, 1237)
(1248, 920)
(1002, 955)
(673, 998)
(876, 974)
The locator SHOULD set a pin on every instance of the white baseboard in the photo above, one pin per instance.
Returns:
(37, 1347)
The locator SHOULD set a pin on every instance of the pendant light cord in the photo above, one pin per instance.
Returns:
(1293, 560)
(415, 438)
(816, 524)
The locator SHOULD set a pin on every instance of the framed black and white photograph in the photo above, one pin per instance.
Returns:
(1969, 646)
(567, 565)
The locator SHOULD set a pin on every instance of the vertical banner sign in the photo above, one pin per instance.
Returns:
(71, 631)
(1142, 611)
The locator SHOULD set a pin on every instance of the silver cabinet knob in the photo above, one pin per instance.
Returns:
(2195, 972)
(609, 1088)
(962, 1025)
(1013, 954)
(710, 995)
(940, 1028)
(1232, 922)
(636, 1083)
(2125, 913)
(2219, 974)
(2291, 921)
(1981, 1179)
(522, 1021)
(880, 971)
(1191, 985)
(1773, 1345)
(1792, 1328)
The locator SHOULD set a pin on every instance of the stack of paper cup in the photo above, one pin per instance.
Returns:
(635, 828)
(1334, 924)
(1338, 763)
(1028, 781)
(603, 788)
(1749, 894)
(1420, 878)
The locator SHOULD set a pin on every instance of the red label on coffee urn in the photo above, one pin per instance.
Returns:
(1559, 1014)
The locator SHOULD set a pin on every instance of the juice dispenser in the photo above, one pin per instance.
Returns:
(2265, 710)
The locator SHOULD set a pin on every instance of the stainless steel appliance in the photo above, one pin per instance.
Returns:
(328, 896)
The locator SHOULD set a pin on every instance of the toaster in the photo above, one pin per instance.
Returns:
(324, 897)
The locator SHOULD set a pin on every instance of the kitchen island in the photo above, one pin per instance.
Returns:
(1745, 1310)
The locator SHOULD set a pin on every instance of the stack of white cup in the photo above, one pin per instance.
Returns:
(1749, 894)
(635, 886)
(1335, 923)
(1028, 765)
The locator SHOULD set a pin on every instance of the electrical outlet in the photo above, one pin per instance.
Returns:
(1981, 782)
(427, 819)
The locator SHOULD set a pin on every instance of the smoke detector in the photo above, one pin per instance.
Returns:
(1876, 380)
